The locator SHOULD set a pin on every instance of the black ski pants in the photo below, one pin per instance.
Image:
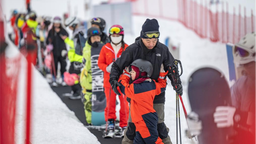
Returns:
(76, 88)
(63, 64)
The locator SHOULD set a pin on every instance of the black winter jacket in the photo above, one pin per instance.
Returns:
(57, 42)
(160, 54)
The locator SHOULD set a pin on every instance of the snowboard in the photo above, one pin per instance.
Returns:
(98, 96)
(234, 71)
(208, 89)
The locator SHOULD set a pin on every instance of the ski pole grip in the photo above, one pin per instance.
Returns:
(176, 64)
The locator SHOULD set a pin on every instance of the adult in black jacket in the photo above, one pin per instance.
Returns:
(59, 47)
(146, 47)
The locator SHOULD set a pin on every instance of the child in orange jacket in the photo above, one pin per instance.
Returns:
(142, 91)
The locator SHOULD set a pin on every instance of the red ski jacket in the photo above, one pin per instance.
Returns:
(107, 56)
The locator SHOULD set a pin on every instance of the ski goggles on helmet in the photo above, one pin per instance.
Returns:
(95, 32)
(115, 30)
(95, 20)
(151, 34)
(242, 51)
(243, 55)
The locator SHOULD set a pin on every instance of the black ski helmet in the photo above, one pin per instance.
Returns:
(144, 66)
(100, 22)
(93, 31)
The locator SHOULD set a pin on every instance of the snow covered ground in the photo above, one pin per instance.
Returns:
(54, 123)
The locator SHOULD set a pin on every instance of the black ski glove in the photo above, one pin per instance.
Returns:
(114, 83)
(178, 88)
(175, 80)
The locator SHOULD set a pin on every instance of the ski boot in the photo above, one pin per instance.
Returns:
(120, 132)
(110, 129)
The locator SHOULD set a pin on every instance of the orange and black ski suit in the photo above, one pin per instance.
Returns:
(142, 112)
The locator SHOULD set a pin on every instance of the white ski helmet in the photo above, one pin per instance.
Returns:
(57, 20)
(244, 50)
(71, 21)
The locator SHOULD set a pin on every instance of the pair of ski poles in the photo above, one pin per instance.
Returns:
(176, 76)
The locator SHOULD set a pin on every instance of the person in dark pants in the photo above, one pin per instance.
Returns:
(59, 48)
(147, 47)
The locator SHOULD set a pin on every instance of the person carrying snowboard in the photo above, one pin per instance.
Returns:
(241, 114)
(76, 45)
(100, 24)
(109, 53)
(92, 45)
(147, 47)
(59, 49)
(142, 91)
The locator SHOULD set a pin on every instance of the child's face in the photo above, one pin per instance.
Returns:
(133, 74)
(95, 39)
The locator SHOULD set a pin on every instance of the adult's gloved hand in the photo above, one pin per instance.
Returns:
(114, 83)
(178, 88)
(223, 116)
(108, 69)
(175, 80)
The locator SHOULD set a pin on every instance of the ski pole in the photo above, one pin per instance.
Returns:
(177, 137)
(179, 118)
(175, 77)
(178, 122)
(183, 106)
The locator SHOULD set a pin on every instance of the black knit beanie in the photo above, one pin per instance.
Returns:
(149, 25)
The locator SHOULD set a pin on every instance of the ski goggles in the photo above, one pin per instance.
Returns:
(151, 34)
(115, 30)
(243, 55)
(242, 51)
(96, 20)
(95, 32)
